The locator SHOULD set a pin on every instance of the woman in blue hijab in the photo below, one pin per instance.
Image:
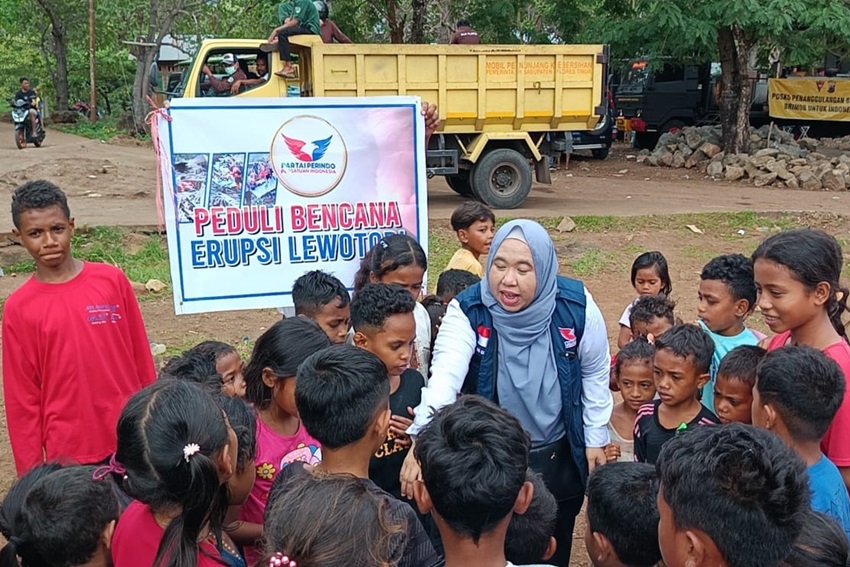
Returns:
(535, 343)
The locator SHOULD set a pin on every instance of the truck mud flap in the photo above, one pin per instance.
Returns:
(541, 171)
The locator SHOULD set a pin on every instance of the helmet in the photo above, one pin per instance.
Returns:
(322, 8)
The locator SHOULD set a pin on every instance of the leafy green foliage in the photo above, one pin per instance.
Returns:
(686, 30)
(103, 129)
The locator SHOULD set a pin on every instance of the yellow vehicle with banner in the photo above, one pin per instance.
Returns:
(503, 108)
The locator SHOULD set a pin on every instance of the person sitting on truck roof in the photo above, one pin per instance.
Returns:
(465, 35)
(328, 28)
(259, 78)
(298, 17)
(232, 74)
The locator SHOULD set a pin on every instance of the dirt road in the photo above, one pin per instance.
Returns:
(114, 184)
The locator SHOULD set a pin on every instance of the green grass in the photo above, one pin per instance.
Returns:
(442, 244)
(244, 348)
(144, 257)
(104, 129)
(721, 222)
(590, 262)
(633, 250)
(697, 252)
(147, 260)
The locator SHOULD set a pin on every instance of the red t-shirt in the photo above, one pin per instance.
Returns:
(73, 353)
(836, 443)
(137, 536)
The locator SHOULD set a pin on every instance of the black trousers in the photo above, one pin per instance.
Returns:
(564, 525)
(554, 462)
(283, 40)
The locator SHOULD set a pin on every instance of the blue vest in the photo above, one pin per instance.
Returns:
(567, 329)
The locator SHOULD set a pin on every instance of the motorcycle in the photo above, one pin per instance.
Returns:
(23, 125)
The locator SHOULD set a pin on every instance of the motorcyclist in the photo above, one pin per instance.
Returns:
(29, 95)
(328, 28)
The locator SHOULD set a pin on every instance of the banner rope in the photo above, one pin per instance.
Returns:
(152, 119)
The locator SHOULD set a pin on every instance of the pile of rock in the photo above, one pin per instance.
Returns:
(776, 159)
(842, 144)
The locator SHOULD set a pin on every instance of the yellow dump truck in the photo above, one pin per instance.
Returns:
(503, 108)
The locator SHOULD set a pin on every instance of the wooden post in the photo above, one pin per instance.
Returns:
(93, 93)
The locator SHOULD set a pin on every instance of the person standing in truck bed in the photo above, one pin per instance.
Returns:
(465, 35)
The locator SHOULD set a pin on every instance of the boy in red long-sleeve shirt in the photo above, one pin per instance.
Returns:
(74, 343)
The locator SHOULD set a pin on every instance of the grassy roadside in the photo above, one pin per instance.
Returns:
(599, 247)
(144, 256)
(104, 129)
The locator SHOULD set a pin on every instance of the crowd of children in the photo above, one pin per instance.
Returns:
(726, 448)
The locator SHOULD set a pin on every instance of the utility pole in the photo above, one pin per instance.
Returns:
(93, 93)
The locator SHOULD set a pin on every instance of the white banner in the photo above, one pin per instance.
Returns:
(259, 191)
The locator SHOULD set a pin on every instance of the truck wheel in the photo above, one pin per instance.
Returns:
(460, 184)
(600, 153)
(502, 178)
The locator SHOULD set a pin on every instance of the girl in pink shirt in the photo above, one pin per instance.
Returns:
(281, 439)
(178, 451)
(797, 276)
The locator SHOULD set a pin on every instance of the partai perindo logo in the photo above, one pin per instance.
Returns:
(309, 156)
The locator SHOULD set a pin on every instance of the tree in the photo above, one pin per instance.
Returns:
(735, 31)
(19, 56)
(60, 14)
(141, 26)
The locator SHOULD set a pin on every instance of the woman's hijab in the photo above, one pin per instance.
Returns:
(528, 383)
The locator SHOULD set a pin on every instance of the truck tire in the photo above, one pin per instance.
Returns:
(600, 153)
(459, 183)
(502, 178)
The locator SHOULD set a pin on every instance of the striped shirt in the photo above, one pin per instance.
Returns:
(650, 435)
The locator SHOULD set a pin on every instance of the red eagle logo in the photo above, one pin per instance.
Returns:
(567, 334)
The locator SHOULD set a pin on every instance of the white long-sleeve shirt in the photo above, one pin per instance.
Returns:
(455, 347)
(423, 339)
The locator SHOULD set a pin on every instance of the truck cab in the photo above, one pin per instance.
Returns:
(665, 98)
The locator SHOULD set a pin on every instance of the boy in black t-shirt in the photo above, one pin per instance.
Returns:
(682, 361)
(382, 316)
